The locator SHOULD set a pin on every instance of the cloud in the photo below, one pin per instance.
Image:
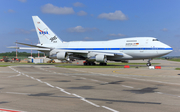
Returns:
(11, 11)
(165, 29)
(78, 4)
(117, 15)
(87, 38)
(117, 35)
(51, 9)
(80, 29)
(177, 36)
(22, 31)
(33, 30)
(22, 0)
(26, 39)
(82, 13)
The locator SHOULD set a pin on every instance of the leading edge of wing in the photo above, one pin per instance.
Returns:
(31, 45)
(27, 48)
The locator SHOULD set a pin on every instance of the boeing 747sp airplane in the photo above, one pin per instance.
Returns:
(96, 51)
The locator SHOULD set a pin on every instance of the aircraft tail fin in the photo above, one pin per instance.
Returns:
(45, 34)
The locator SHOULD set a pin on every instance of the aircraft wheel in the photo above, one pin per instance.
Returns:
(148, 64)
(103, 63)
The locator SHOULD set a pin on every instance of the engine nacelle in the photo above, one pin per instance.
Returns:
(60, 55)
(101, 58)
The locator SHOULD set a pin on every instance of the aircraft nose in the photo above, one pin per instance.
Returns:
(169, 49)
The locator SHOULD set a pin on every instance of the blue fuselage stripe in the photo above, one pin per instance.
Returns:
(117, 48)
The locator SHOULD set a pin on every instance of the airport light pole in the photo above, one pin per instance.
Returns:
(16, 48)
(31, 50)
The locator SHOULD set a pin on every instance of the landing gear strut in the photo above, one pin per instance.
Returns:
(149, 62)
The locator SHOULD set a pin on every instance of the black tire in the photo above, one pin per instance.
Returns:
(103, 64)
(148, 64)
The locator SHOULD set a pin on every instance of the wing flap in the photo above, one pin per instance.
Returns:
(95, 53)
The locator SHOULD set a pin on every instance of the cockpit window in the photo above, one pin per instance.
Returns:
(155, 40)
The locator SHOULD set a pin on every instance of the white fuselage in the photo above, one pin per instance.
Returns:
(99, 51)
(131, 48)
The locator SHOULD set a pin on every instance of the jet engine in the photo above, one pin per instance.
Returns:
(60, 55)
(98, 58)
(101, 58)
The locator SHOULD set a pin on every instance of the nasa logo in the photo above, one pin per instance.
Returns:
(53, 38)
(42, 32)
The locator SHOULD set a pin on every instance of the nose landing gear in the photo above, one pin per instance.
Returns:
(149, 62)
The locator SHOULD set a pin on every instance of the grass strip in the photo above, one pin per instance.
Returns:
(4, 65)
(175, 59)
(177, 68)
(96, 66)
(131, 63)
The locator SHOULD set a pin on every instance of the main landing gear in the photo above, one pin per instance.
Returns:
(102, 63)
(89, 63)
(149, 62)
(93, 63)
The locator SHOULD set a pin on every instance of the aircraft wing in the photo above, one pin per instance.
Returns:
(31, 45)
(94, 52)
(48, 49)
(28, 48)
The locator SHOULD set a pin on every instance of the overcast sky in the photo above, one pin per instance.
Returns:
(91, 20)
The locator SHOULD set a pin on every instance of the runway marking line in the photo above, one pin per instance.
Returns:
(17, 93)
(14, 75)
(90, 102)
(66, 92)
(62, 90)
(59, 88)
(127, 86)
(7, 110)
(94, 80)
(110, 109)
(78, 96)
